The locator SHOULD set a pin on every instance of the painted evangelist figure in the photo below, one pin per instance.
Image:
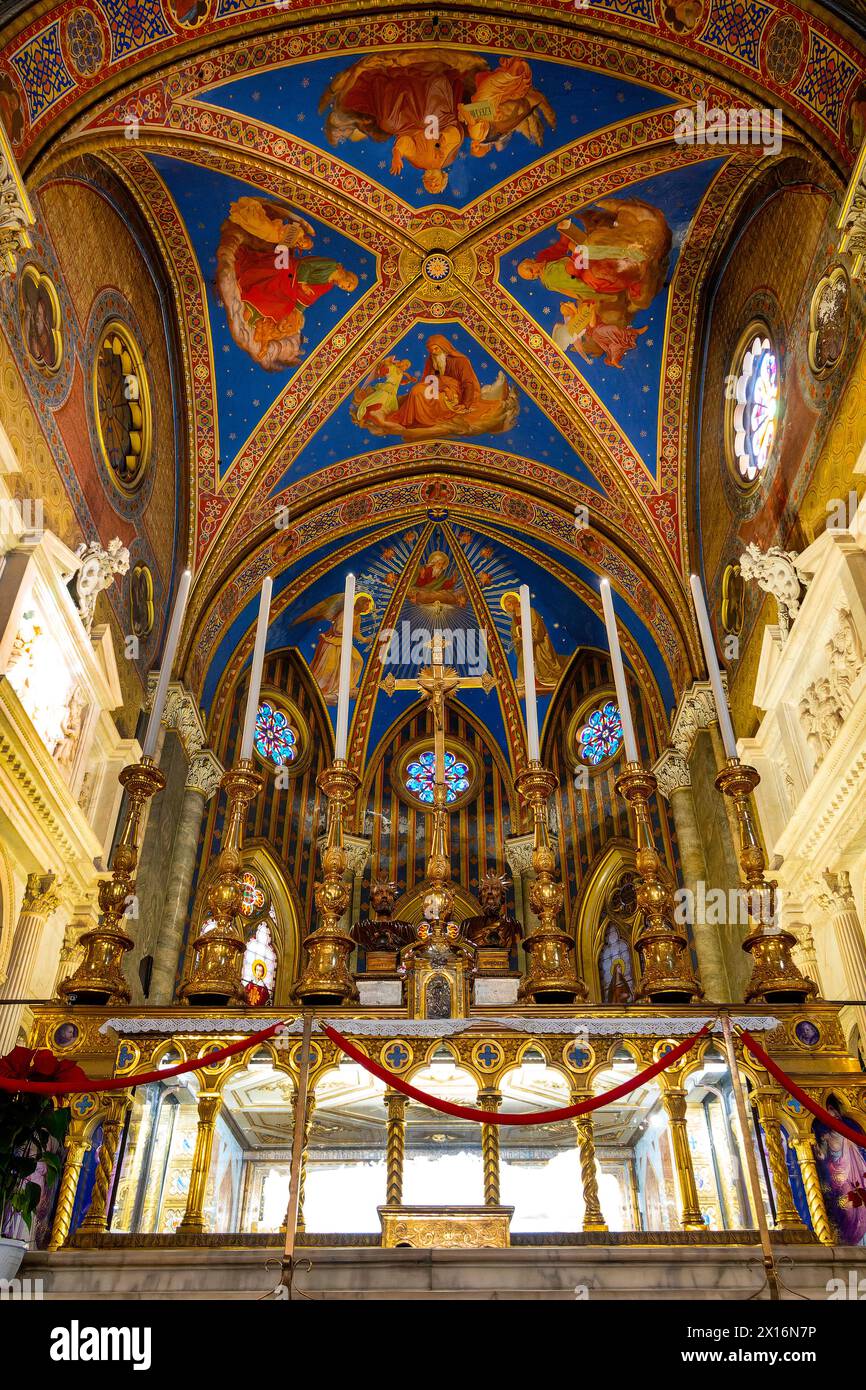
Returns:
(445, 401)
(267, 279)
(427, 103)
(610, 262)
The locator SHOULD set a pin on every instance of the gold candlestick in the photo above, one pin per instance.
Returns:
(326, 978)
(99, 977)
(551, 976)
(775, 977)
(215, 977)
(666, 972)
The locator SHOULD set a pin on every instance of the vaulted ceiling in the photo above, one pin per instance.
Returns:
(339, 199)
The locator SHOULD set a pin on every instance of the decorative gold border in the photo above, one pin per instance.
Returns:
(386, 1047)
(757, 326)
(31, 272)
(591, 702)
(424, 744)
(837, 273)
(116, 327)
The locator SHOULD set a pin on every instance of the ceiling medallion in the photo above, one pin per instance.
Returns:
(437, 267)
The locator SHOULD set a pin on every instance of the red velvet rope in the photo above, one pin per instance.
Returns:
(536, 1117)
(84, 1085)
(813, 1106)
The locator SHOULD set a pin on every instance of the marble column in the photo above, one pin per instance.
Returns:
(805, 1151)
(675, 783)
(41, 899)
(119, 1104)
(674, 1101)
(396, 1150)
(836, 897)
(490, 1099)
(201, 783)
(209, 1106)
(76, 1148)
(766, 1099)
(593, 1216)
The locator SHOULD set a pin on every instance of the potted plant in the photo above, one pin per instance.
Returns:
(32, 1130)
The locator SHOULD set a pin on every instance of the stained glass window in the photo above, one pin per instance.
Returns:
(253, 899)
(757, 397)
(259, 969)
(601, 735)
(420, 774)
(275, 740)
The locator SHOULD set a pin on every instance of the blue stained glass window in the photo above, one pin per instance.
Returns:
(275, 739)
(601, 735)
(421, 771)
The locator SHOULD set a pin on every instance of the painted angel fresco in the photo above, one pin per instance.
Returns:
(325, 665)
(428, 103)
(549, 664)
(267, 280)
(610, 262)
(445, 401)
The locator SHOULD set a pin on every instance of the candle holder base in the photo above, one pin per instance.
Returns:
(99, 978)
(326, 978)
(775, 978)
(215, 978)
(551, 976)
(666, 973)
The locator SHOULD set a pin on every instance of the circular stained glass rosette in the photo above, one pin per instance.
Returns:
(275, 739)
(421, 772)
(601, 736)
(757, 409)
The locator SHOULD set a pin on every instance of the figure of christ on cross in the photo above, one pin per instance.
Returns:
(437, 681)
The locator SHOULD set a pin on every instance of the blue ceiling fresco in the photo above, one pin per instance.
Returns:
(624, 366)
(491, 110)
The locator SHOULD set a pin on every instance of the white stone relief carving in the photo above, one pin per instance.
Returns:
(97, 572)
(204, 773)
(775, 571)
(828, 699)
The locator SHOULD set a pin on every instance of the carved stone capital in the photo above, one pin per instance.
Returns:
(181, 713)
(835, 893)
(672, 772)
(204, 773)
(41, 896)
(518, 854)
(696, 711)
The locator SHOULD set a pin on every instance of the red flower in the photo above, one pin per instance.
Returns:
(21, 1064)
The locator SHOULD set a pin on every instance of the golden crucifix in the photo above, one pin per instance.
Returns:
(437, 681)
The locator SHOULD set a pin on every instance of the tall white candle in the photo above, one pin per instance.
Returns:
(629, 739)
(709, 646)
(342, 739)
(529, 675)
(168, 655)
(254, 691)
